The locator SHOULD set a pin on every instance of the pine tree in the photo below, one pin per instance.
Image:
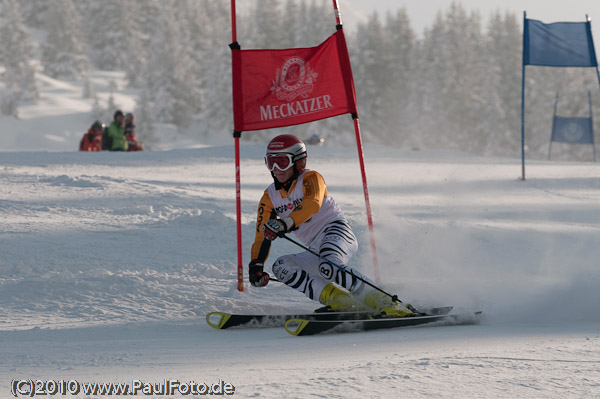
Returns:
(267, 28)
(429, 77)
(371, 75)
(399, 55)
(17, 56)
(145, 123)
(461, 78)
(452, 76)
(88, 88)
(503, 53)
(149, 13)
(320, 23)
(112, 105)
(168, 72)
(98, 113)
(35, 12)
(63, 52)
(107, 32)
(136, 55)
(289, 35)
(216, 114)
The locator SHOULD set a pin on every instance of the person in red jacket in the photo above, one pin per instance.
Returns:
(134, 145)
(92, 140)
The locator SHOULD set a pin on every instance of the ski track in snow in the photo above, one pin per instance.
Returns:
(111, 261)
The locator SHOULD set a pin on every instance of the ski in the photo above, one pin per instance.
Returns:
(222, 320)
(299, 326)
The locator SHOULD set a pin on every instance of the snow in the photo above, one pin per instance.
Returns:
(110, 262)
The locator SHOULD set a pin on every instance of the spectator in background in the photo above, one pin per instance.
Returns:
(92, 140)
(116, 133)
(134, 145)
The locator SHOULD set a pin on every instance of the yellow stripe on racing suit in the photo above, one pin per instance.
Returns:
(306, 202)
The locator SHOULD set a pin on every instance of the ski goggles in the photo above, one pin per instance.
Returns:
(281, 161)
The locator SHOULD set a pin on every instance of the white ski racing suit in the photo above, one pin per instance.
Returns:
(320, 225)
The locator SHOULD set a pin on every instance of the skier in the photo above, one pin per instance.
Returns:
(297, 202)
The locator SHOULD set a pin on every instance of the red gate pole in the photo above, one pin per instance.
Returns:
(238, 185)
(367, 201)
(338, 16)
(338, 19)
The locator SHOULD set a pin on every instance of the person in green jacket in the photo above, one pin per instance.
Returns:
(116, 133)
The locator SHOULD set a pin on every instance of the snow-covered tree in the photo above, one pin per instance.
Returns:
(136, 54)
(117, 35)
(88, 88)
(267, 26)
(35, 12)
(107, 32)
(503, 54)
(16, 50)
(63, 52)
(144, 120)
(451, 72)
(399, 55)
(169, 72)
(216, 113)
(464, 88)
(293, 24)
(372, 77)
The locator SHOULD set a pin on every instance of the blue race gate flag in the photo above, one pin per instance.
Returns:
(559, 44)
(575, 130)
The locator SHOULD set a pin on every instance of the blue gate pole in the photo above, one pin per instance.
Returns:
(523, 97)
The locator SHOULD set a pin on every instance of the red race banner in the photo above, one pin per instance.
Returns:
(276, 88)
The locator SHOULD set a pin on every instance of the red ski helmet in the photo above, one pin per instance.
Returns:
(285, 151)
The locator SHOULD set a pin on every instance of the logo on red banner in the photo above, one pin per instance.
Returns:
(294, 79)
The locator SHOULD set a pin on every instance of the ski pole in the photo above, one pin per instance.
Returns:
(342, 268)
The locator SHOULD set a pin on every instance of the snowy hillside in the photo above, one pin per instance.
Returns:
(58, 120)
(449, 229)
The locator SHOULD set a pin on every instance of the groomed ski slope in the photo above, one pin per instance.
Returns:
(110, 262)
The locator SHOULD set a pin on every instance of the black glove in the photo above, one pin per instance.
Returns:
(277, 227)
(257, 277)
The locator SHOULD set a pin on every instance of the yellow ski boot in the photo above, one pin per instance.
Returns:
(339, 300)
(384, 304)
